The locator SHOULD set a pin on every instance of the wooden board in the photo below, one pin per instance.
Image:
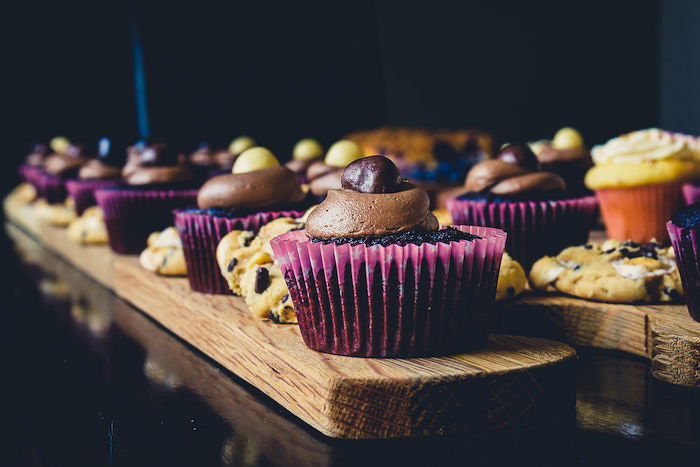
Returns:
(514, 381)
(663, 333)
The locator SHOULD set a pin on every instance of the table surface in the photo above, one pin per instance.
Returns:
(89, 380)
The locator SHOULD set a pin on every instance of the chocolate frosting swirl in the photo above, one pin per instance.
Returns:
(272, 186)
(506, 179)
(348, 213)
(36, 155)
(95, 169)
(300, 166)
(63, 164)
(165, 174)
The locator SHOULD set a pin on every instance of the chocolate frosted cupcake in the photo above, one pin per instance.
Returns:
(325, 175)
(62, 164)
(540, 215)
(103, 171)
(258, 191)
(373, 275)
(155, 181)
(683, 228)
(33, 164)
(566, 156)
(305, 152)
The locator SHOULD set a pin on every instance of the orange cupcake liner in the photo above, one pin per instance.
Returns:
(639, 213)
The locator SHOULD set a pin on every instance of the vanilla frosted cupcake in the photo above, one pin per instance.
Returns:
(637, 179)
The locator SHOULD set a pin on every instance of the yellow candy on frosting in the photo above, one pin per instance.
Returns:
(240, 144)
(343, 153)
(59, 144)
(567, 138)
(307, 148)
(254, 159)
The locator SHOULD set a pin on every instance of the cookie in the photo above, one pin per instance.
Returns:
(612, 271)
(511, 278)
(275, 228)
(237, 251)
(24, 193)
(59, 215)
(89, 229)
(164, 255)
(266, 293)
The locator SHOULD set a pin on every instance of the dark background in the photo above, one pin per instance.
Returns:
(279, 71)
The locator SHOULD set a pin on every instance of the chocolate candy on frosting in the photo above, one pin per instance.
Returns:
(324, 176)
(253, 159)
(519, 154)
(374, 174)
(240, 144)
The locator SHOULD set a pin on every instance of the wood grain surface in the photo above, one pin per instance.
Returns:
(663, 333)
(513, 381)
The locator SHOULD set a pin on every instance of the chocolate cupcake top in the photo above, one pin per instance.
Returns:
(513, 174)
(257, 181)
(305, 152)
(155, 164)
(37, 154)
(97, 169)
(206, 156)
(687, 217)
(325, 175)
(374, 201)
(65, 163)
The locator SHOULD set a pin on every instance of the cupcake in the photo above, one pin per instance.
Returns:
(258, 191)
(325, 175)
(305, 152)
(62, 164)
(683, 230)
(33, 164)
(373, 274)
(566, 156)
(155, 181)
(540, 215)
(637, 179)
(216, 161)
(103, 171)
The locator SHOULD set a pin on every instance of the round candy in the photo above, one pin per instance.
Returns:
(567, 138)
(240, 144)
(59, 144)
(373, 174)
(342, 153)
(307, 148)
(254, 159)
(520, 155)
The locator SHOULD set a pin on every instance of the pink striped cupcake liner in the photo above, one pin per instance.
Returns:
(201, 231)
(686, 246)
(51, 188)
(393, 301)
(132, 214)
(83, 191)
(535, 228)
(691, 193)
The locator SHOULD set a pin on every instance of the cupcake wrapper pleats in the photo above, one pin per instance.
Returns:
(83, 192)
(413, 300)
(686, 246)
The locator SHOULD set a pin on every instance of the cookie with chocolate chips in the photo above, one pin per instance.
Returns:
(266, 294)
(238, 251)
(164, 255)
(612, 271)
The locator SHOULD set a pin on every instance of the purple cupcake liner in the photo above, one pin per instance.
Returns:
(201, 233)
(691, 193)
(30, 174)
(413, 300)
(686, 247)
(51, 188)
(535, 228)
(131, 215)
(83, 191)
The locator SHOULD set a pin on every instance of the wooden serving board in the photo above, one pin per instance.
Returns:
(663, 333)
(513, 381)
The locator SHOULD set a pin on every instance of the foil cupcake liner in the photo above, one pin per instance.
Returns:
(201, 232)
(639, 213)
(393, 301)
(535, 228)
(83, 192)
(691, 193)
(686, 246)
(131, 215)
(51, 188)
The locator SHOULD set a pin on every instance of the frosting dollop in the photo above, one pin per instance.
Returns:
(66, 163)
(156, 163)
(506, 179)
(37, 154)
(95, 169)
(348, 213)
(645, 145)
(267, 187)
